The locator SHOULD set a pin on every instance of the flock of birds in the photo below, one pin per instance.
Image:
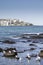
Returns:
(27, 56)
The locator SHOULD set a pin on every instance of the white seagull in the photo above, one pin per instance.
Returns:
(38, 58)
(14, 51)
(9, 51)
(28, 56)
(4, 52)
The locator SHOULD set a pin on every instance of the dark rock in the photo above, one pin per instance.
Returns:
(29, 40)
(25, 37)
(32, 45)
(1, 50)
(34, 41)
(11, 49)
(41, 34)
(37, 37)
(24, 41)
(32, 49)
(12, 52)
(8, 41)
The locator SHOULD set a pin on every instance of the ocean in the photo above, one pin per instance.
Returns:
(22, 44)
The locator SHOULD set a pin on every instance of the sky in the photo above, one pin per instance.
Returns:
(27, 10)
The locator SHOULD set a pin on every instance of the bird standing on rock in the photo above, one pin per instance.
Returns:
(28, 56)
(18, 58)
(9, 51)
(4, 52)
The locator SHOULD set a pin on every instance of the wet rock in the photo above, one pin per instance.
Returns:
(25, 37)
(29, 40)
(33, 55)
(8, 41)
(0, 41)
(1, 50)
(24, 41)
(32, 45)
(41, 34)
(26, 50)
(32, 49)
(29, 34)
(10, 52)
(37, 37)
(41, 53)
(33, 35)
(10, 49)
(34, 41)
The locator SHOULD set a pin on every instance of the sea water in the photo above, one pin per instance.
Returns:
(15, 33)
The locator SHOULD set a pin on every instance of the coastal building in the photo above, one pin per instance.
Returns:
(13, 22)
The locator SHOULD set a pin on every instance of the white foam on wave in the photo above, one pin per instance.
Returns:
(15, 37)
(33, 33)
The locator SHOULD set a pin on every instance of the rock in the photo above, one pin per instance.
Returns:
(29, 40)
(10, 52)
(37, 37)
(1, 50)
(32, 49)
(24, 41)
(34, 41)
(11, 49)
(41, 53)
(24, 37)
(32, 45)
(8, 41)
(33, 55)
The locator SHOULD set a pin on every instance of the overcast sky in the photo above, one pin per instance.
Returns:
(28, 10)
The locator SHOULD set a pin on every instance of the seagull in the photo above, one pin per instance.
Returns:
(9, 51)
(20, 59)
(14, 51)
(38, 58)
(28, 56)
(17, 57)
(4, 52)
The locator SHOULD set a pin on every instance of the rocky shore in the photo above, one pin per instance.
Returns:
(35, 39)
(14, 22)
